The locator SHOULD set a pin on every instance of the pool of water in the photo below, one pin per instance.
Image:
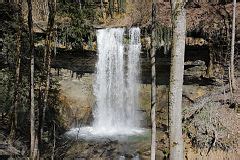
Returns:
(90, 133)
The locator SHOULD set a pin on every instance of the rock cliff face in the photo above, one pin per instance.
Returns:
(202, 16)
(77, 95)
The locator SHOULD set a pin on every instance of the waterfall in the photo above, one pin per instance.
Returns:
(116, 84)
(116, 87)
(133, 64)
(109, 86)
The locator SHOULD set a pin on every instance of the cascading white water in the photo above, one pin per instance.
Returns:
(133, 71)
(109, 86)
(116, 85)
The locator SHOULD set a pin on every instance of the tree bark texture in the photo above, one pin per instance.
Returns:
(17, 75)
(47, 61)
(34, 145)
(153, 86)
(176, 79)
(233, 80)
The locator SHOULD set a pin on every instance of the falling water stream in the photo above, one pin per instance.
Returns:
(116, 84)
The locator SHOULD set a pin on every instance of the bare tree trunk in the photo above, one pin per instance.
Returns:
(153, 87)
(18, 63)
(230, 85)
(101, 4)
(34, 145)
(47, 62)
(102, 10)
(209, 72)
(232, 47)
(54, 141)
(111, 8)
(176, 79)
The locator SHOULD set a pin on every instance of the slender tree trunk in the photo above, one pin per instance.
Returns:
(230, 85)
(54, 141)
(47, 62)
(102, 9)
(101, 4)
(153, 87)
(124, 5)
(118, 6)
(18, 63)
(176, 79)
(111, 8)
(209, 72)
(34, 145)
(232, 47)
